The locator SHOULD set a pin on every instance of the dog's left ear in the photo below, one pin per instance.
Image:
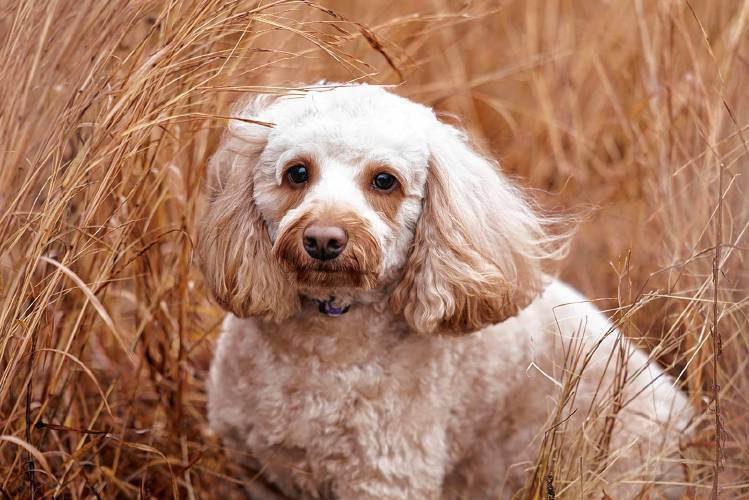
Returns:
(233, 241)
(478, 249)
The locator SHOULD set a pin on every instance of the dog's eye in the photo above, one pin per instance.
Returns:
(383, 181)
(297, 175)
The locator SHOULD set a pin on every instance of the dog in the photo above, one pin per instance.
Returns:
(393, 331)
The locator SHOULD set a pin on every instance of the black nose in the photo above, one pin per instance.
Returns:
(324, 242)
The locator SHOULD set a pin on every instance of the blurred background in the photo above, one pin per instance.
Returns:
(630, 117)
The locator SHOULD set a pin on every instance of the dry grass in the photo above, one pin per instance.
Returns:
(108, 111)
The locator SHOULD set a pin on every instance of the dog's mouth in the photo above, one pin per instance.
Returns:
(356, 267)
(333, 278)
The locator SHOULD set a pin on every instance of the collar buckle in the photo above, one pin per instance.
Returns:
(328, 308)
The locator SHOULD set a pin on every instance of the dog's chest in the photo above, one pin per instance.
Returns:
(320, 420)
(321, 409)
(318, 409)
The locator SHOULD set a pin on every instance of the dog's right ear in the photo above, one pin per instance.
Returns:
(479, 250)
(233, 242)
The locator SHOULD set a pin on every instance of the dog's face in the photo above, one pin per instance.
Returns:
(339, 186)
(353, 190)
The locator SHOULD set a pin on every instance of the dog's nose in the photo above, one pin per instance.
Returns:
(324, 242)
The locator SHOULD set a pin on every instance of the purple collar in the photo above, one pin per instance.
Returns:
(327, 308)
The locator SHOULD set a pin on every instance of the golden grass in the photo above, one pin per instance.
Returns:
(108, 111)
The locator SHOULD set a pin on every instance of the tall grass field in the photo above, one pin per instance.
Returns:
(629, 117)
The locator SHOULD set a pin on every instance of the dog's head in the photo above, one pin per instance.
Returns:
(354, 190)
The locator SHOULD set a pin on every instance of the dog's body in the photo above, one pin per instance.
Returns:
(386, 400)
(355, 407)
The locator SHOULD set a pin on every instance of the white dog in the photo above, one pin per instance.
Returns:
(392, 332)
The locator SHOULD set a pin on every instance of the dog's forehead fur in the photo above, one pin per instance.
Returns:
(355, 124)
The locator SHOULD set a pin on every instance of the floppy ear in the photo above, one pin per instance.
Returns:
(233, 242)
(478, 247)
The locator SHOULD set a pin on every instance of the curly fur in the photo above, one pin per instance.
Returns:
(439, 380)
